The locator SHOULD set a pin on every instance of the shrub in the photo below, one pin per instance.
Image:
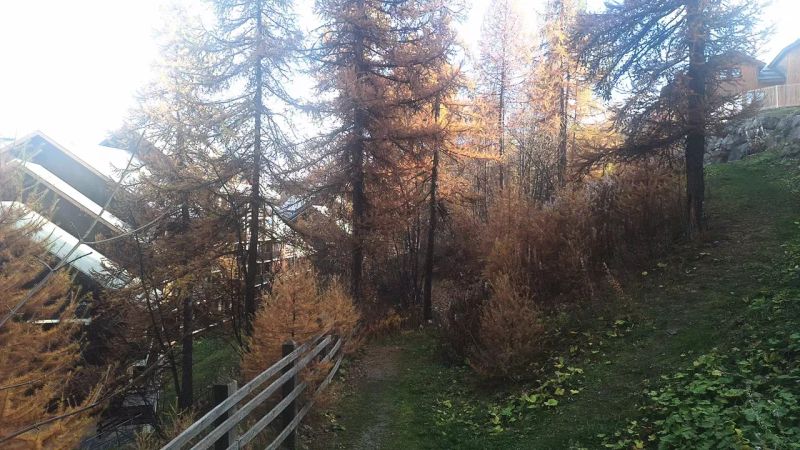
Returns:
(462, 319)
(297, 309)
(510, 331)
(557, 253)
(558, 250)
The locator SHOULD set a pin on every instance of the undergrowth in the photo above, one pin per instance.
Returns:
(700, 352)
(744, 396)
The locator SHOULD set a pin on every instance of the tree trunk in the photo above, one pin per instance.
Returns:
(696, 136)
(428, 287)
(357, 167)
(501, 119)
(562, 132)
(255, 191)
(186, 396)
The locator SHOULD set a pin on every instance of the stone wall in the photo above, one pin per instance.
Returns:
(776, 129)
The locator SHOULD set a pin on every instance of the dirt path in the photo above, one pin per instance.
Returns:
(380, 367)
(368, 400)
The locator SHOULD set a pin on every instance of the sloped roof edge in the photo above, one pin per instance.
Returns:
(97, 169)
(61, 243)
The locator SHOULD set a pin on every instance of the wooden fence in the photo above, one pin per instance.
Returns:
(776, 96)
(226, 420)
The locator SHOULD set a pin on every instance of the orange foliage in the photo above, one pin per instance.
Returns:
(510, 331)
(552, 253)
(37, 363)
(297, 309)
(557, 250)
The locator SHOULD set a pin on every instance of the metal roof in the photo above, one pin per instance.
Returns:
(771, 75)
(62, 244)
(74, 196)
(106, 162)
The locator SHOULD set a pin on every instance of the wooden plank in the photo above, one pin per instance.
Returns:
(256, 401)
(269, 417)
(296, 422)
(220, 393)
(196, 428)
(290, 410)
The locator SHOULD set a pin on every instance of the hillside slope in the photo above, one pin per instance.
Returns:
(632, 380)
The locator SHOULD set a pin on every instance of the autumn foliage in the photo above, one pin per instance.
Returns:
(298, 308)
(37, 362)
(540, 256)
(510, 330)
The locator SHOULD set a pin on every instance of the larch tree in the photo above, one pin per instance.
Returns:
(445, 122)
(544, 130)
(37, 362)
(376, 63)
(502, 56)
(184, 225)
(248, 56)
(667, 57)
(556, 75)
(188, 231)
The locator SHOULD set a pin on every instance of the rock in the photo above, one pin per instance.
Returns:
(738, 152)
(793, 135)
(770, 122)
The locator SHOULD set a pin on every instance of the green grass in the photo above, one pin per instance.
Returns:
(215, 359)
(690, 303)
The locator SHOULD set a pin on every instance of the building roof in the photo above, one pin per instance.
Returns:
(74, 196)
(106, 162)
(777, 60)
(63, 245)
(772, 73)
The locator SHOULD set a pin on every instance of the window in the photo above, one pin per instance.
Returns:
(730, 74)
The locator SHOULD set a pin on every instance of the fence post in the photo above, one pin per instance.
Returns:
(291, 410)
(219, 393)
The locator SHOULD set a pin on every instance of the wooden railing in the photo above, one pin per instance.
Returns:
(227, 417)
(776, 96)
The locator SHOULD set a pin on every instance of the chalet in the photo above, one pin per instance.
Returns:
(739, 73)
(775, 85)
(784, 69)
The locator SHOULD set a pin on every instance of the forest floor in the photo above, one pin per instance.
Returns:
(402, 393)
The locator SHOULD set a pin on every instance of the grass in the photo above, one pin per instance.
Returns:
(215, 359)
(688, 304)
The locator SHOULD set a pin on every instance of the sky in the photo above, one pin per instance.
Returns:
(72, 68)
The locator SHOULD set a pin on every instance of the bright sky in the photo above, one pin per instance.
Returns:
(72, 68)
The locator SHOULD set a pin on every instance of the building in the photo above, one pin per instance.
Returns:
(775, 85)
(784, 69)
(739, 73)
(69, 191)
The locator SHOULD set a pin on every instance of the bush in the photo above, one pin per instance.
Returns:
(462, 319)
(558, 250)
(557, 253)
(510, 331)
(297, 309)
